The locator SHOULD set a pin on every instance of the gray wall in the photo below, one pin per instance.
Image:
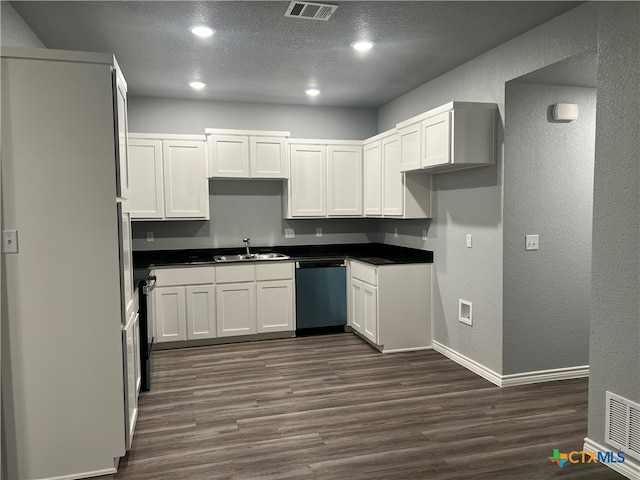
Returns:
(165, 115)
(548, 190)
(249, 208)
(615, 307)
(14, 32)
(471, 201)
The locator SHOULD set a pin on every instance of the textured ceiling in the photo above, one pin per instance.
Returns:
(258, 55)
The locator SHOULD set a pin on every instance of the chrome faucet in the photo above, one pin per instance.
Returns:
(247, 245)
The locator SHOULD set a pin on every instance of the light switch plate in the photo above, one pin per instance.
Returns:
(395, 233)
(319, 232)
(469, 240)
(150, 237)
(9, 241)
(289, 233)
(531, 242)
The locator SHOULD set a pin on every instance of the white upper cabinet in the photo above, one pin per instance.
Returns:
(325, 179)
(455, 136)
(344, 180)
(247, 153)
(186, 190)
(388, 192)
(168, 177)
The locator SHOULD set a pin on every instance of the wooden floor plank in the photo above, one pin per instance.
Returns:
(332, 408)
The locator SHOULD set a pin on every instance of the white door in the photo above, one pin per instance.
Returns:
(236, 309)
(229, 156)
(410, 143)
(201, 311)
(372, 158)
(131, 387)
(268, 157)
(185, 179)
(274, 301)
(357, 306)
(169, 314)
(370, 312)
(308, 181)
(146, 188)
(392, 178)
(136, 348)
(344, 180)
(123, 127)
(435, 140)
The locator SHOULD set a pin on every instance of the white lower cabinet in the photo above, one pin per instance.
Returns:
(390, 305)
(132, 368)
(197, 303)
(236, 309)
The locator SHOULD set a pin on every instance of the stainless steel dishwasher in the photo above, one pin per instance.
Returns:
(321, 296)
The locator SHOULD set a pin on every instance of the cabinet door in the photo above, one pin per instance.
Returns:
(436, 140)
(201, 312)
(357, 306)
(392, 178)
(229, 156)
(268, 157)
(146, 190)
(308, 181)
(344, 180)
(370, 312)
(372, 159)
(236, 309)
(186, 192)
(275, 306)
(130, 369)
(122, 132)
(169, 314)
(410, 143)
(136, 347)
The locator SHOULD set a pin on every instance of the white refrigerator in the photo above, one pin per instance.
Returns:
(67, 297)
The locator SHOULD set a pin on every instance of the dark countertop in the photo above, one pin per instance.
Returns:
(373, 253)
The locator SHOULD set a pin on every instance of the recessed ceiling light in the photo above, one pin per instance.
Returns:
(312, 92)
(202, 31)
(197, 85)
(362, 45)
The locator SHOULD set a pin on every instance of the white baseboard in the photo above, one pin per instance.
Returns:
(82, 475)
(545, 375)
(511, 379)
(411, 349)
(629, 468)
(468, 363)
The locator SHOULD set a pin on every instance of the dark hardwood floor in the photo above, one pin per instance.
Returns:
(332, 408)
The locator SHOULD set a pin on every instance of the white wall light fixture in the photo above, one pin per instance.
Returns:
(565, 112)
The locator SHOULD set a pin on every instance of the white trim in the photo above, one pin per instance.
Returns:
(249, 133)
(167, 136)
(468, 363)
(411, 349)
(629, 468)
(527, 378)
(512, 379)
(81, 475)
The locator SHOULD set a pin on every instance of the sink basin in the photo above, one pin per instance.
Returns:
(245, 257)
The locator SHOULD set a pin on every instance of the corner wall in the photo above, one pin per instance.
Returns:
(470, 201)
(615, 305)
(548, 191)
(14, 32)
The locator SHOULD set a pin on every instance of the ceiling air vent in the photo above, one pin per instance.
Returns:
(623, 425)
(310, 10)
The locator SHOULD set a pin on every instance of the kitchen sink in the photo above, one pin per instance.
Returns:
(249, 257)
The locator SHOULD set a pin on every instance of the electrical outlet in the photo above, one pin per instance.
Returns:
(531, 242)
(289, 233)
(10, 241)
(424, 234)
(150, 237)
(395, 233)
(469, 240)
(319, 232)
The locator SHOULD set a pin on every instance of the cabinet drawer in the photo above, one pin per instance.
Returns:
(366, 273)
(184, 276)
(235, 273)
(274, 271)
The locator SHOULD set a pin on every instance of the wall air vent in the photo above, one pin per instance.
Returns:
(623, 425)
(310, 10)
